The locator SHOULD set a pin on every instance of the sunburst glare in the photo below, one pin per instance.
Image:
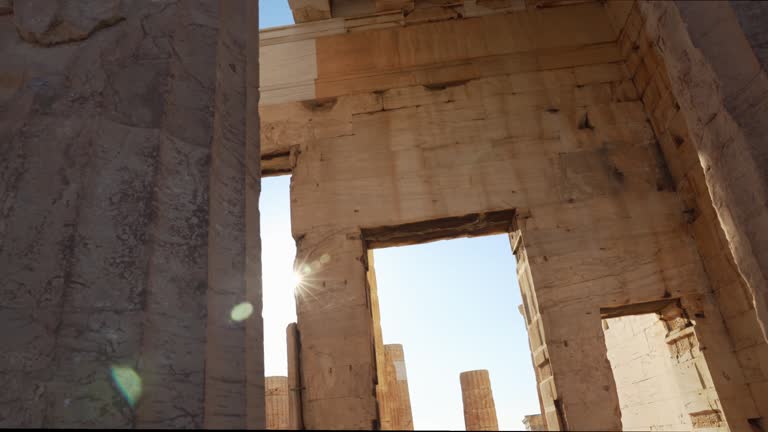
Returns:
(295, 280)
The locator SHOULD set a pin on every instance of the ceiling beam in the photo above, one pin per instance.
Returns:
(310, 10)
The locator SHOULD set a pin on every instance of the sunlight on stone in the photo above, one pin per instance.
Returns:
(128, 382)
(241, 312)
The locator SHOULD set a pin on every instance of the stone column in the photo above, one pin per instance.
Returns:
(338, 370)
(276, 402)
(394, 397)
(294, 378)
(479, 409)
(122, 221)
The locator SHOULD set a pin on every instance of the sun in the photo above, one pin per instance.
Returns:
(295, 279)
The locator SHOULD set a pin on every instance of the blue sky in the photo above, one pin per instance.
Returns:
(451, 304)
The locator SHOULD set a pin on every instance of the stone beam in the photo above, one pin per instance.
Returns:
(316, 74)
(310, 10)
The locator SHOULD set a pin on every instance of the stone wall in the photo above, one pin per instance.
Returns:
(452, 120)
(666, 93)
(660, 385)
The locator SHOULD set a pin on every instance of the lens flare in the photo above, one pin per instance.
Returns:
(128, 382)
(241, 312)
(295, 280)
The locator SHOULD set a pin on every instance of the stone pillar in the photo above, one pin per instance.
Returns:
(334, 317)
(645, 258)
(479, 408)
(122, 223)
(294, 378)
(119, 271)
(394, 397)
(276, 402)
(225, 362)
(254, 330)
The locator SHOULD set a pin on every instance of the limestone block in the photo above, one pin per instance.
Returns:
(718, 91)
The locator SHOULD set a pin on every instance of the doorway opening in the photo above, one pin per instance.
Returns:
(447, 307)
(662, 379)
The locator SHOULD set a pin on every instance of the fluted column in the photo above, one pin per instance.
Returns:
(276, 402)
(394, 397)
(479, 409)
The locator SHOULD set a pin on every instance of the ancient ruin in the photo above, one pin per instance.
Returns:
(392, 393)
(619, 144)
(477, 396)
(276, 402)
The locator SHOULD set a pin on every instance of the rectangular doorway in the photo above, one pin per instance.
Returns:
(453, 306)
(662, 378)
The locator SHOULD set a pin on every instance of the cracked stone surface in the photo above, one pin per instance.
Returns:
(47, 22)
(106, 127)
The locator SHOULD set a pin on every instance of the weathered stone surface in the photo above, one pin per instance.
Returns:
(310, 10)
(392, 392)
(654, 73)
(109, 240)
(623, 152)
(721, 95)
(254, 328)
(477, 397)
(276, 402)
(51, 22)
(660, 386)
(561, 136)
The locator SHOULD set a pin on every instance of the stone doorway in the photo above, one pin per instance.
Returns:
(662, 379)
(420, 236)
(451, 305)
